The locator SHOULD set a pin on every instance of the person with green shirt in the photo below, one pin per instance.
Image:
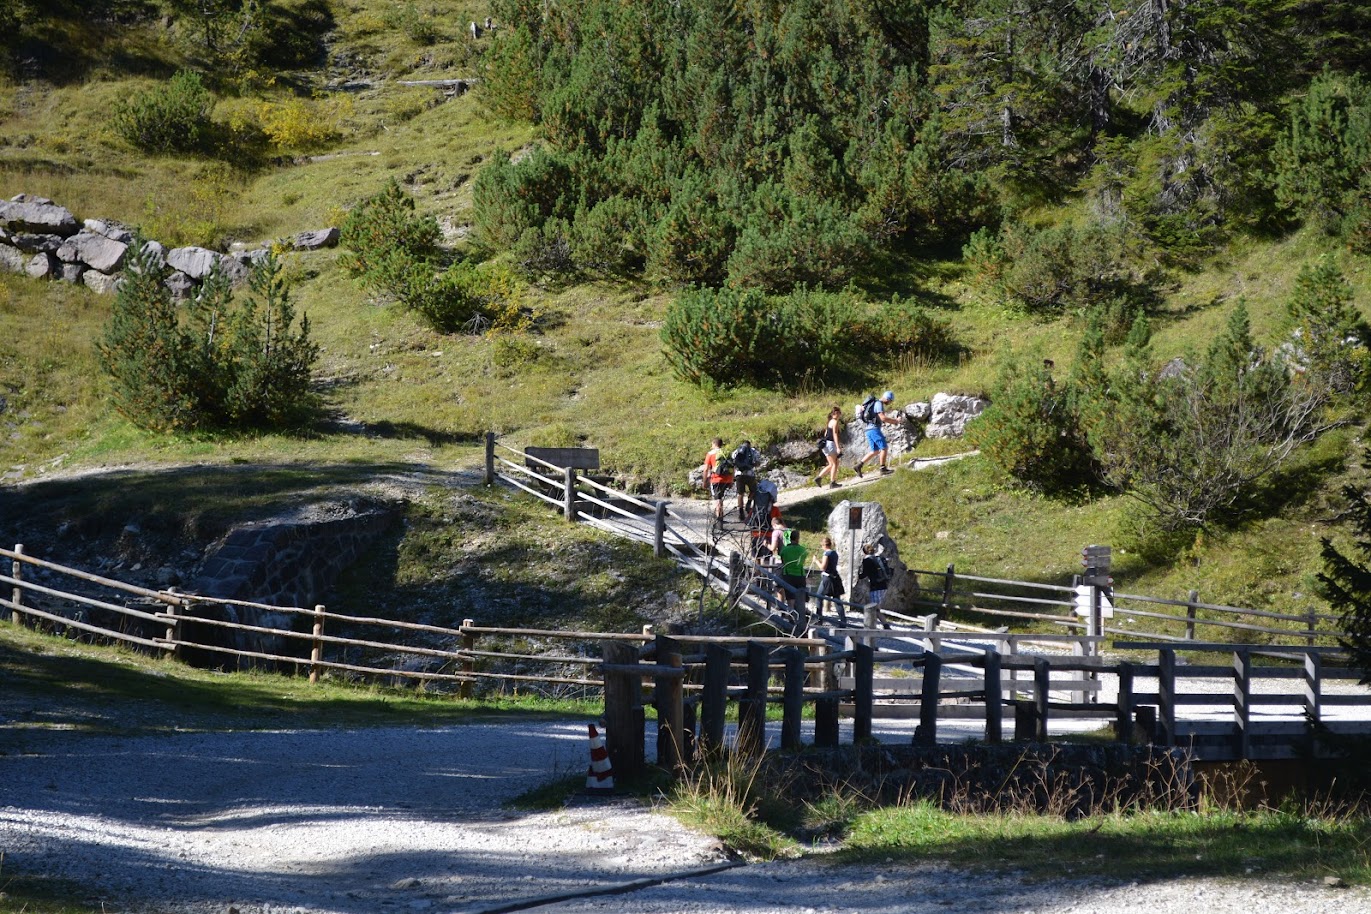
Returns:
(793, 557)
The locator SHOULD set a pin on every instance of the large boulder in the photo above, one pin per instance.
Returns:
(42, 266)
(39, 215)
(156, 252)
(95, 251)
(313, 241)
(197, 263)
(951, 412)
(114, 231)
(72, 272)
(236, 270)
(100, 283)
(904, 585)
(12, 260)
(35, 243)
(182, 286)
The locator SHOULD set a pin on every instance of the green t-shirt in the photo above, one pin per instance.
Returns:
(793, 557)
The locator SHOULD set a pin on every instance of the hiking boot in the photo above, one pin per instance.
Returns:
(859, 471)
(817, 478)
(833, 485)
(885, 471)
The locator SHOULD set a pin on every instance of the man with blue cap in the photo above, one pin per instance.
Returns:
(874, 416)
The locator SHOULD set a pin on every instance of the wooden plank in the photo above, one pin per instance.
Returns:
(578, 458)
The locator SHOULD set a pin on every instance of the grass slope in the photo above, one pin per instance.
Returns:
(400, 395)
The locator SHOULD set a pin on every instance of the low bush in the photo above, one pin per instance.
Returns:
(173, 117)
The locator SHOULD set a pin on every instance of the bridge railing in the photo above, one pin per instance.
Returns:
(956, 596)
(1218, 711)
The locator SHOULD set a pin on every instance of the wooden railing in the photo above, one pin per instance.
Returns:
(963, 596)
(692, 692)
(76, 603)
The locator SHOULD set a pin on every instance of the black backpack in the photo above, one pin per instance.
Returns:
(867, 413)
(745, 458)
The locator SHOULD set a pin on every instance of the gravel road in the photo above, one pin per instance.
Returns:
(377, 820)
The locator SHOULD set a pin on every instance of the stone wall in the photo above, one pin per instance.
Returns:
(290, 560)
(44, 240)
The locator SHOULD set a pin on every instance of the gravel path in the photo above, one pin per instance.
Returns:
(361, 821)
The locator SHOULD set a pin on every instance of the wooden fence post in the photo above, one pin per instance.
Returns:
(1166, 694)
(792, 698)
(1123, 714)
(714, 697)
(316, 652)
(1190, 610)
(659, 531)
(1313, 687)
(752, 709)
(173, 629)
(863, 691)
(947, 588)
(826, 708)
(1242, 703)
(927, 734)
(1041, 693)
(994, 696)
(623, 711)
(17, 594)
(1311, 622)
(468, 661)
(490, 458)
(668, 694)
(569, 493)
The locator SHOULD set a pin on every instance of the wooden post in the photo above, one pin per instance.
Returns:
(752, 709)
(1041, 693)
(468, 661)
(17, 594)
(714, 697)
(1123, 713)
(173, 629)
(569, 493)
(1166, 694)
(659, 531)
(1242, 703)
(1311, 623)
(994, 696)
(623, 711)
(667, 694)
(1313, 687)
(826, 709)
(947, 588)
(737, 577)
(316, 652)
(792, 698)
(863, 691)
(928, 704)
(1190, 610)
(490, 458)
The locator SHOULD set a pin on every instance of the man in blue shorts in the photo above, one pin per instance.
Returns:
(873, 419)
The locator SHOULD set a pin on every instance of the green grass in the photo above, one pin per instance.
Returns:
(1146, 846)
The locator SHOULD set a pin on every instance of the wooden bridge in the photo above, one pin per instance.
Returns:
(1160, 670)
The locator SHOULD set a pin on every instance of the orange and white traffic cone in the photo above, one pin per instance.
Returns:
(600, 776)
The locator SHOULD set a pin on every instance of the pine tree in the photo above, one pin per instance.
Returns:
(1347, 576)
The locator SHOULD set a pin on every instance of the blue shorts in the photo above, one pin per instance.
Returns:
(875, 439)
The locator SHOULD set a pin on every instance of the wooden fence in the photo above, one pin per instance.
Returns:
(692, 692)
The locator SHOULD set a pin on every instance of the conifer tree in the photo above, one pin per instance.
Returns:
(1347, 576)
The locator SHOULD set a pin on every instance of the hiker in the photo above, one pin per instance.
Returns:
(763, 514)
(830, 444)
(875, 570)
(793, 557)
(830, 581)
(718, 476)
(874, 415)
(775, 538)
(745, 460)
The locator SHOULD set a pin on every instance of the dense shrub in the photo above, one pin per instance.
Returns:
(724, 337)
(1323, 159)
(172, 117)
(223, 364)
(1330, 339)
(1030, 432)
(1346, 578)
(393, 253)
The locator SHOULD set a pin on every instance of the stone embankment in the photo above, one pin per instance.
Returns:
(46, 241)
